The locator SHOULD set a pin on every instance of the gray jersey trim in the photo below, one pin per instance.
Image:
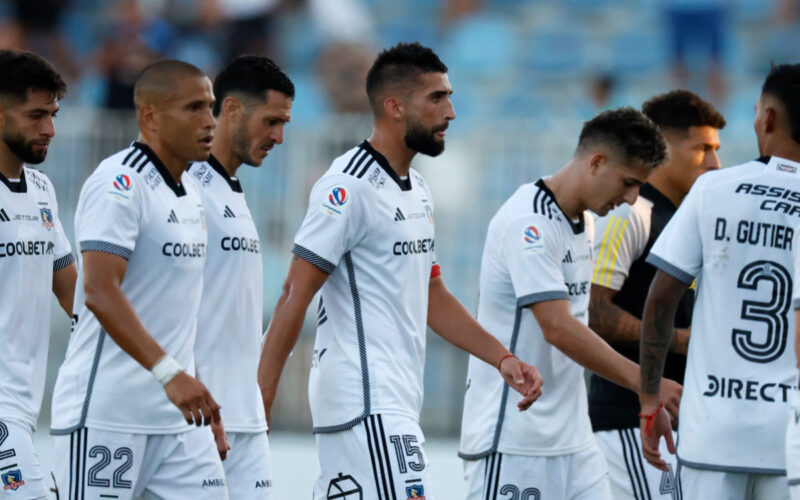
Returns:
(63, 262)
(672, 270)
(794, 482)
(731, 468)
(501, 414)
(104, 246)
(362, 351)
(797, 303)
(92, 375)
(308, 255)
(535, 298)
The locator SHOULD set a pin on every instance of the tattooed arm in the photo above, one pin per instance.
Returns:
(658, 318)
(617, 325)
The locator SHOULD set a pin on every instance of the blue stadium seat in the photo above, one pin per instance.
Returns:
(483, 46)
(557, 53)
(637, 52)
(310, 103)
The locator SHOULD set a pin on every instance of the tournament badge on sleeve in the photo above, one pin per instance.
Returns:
(337, 200)
(344, 488)
(12, 480)
(531, 241)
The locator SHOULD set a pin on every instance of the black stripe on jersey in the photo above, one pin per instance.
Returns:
(487, 479)
(362, 343)
(141, 167)
(170, 181)
(128, 157)
(386, 455)
(137, 159)
(63, 262)
(95, 363)
(359, 153)
(358, 163)
(366, 167)
(493, 481)
(372, 460)
(4, 216)
(232, 182)
(638, 455)
(628, 452)
(388, 494)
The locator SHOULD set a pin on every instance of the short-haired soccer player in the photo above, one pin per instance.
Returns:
(622, 276)
(253, 103)
(535, 281)
(35, 258)
(367, 242)
(126, 403)
(733, 233)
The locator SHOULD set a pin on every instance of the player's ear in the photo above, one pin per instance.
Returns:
(596, 161)
(231, 107)
(393, 107)
(148, 117)
(770, 119)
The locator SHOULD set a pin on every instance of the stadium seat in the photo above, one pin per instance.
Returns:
(483, 46)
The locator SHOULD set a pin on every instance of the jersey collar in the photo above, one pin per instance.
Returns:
(15, 187)
(577, 227)
(405, 185)
(162, 169)
(233, 182)
(651, 193)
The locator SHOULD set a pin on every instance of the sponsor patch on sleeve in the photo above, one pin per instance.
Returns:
(121, 187)
(336, 201)
(532, 242)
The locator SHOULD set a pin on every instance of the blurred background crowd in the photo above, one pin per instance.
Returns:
(526, 73)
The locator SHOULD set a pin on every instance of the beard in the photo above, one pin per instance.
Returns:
(241, 146)
(23, 149)
(422, 140)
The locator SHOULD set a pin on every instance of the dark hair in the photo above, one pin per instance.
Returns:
(400, 64)
(252, 76)
(681, 109)
(627, 131)
(783, 82)
(23, 71)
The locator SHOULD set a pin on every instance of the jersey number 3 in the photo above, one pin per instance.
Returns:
(773, 313)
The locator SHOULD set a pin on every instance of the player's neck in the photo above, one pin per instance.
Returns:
(566, 192)
(10, 164)
(661, 182)
(787, 149)
(226, 157)
(393, 148)
(175, 166)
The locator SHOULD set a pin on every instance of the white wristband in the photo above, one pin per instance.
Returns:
(165, 369)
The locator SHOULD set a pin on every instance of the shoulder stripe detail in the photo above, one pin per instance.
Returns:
(611, 247)
(144, 164)
(308, 255)
(361, 152)
(137, 159)
(358, 163)
(366, 167)
(543, 204)
(104, 246)
(128, 156)
(63, 262)
(535, 298)
(670, 269)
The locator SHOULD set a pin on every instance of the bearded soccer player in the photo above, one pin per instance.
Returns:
(126, 403)
(534, 297)
(253, 103)
(733, 233)
(622, 276)
(367, 242)
(35, 258)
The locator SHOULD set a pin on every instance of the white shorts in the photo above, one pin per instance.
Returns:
(248, 469)
(793, 452)
(93, 464)
(632, 477)
(381, 458)
(576, 476)
(715, 485)
(20, 473)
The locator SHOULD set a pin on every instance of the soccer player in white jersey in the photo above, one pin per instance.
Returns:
(368, 243)
(793, 431)
(535, 280)
(733, 233)
(35, 258)
(622, 277)
(126, 403)
(253, 103)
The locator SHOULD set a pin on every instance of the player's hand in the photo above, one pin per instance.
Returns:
(680, 341)
(221, 439)
(193, 399)
(267, 401)
(524, 379)
(651, 441)
(671, 396)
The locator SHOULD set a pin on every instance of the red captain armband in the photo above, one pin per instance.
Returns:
(649, 420)
(436, 271)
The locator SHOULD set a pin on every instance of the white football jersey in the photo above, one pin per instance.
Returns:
(533, 253)
(373, 233)
(131, 206)
(32, 247)
(229, 324)
(796, 253)
(734, 233)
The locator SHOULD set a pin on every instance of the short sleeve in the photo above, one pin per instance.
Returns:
(62, 251)
(796, 255)
(110, 213)
(678, 251)
(619, 239)
(337, 219)
(533, 250)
